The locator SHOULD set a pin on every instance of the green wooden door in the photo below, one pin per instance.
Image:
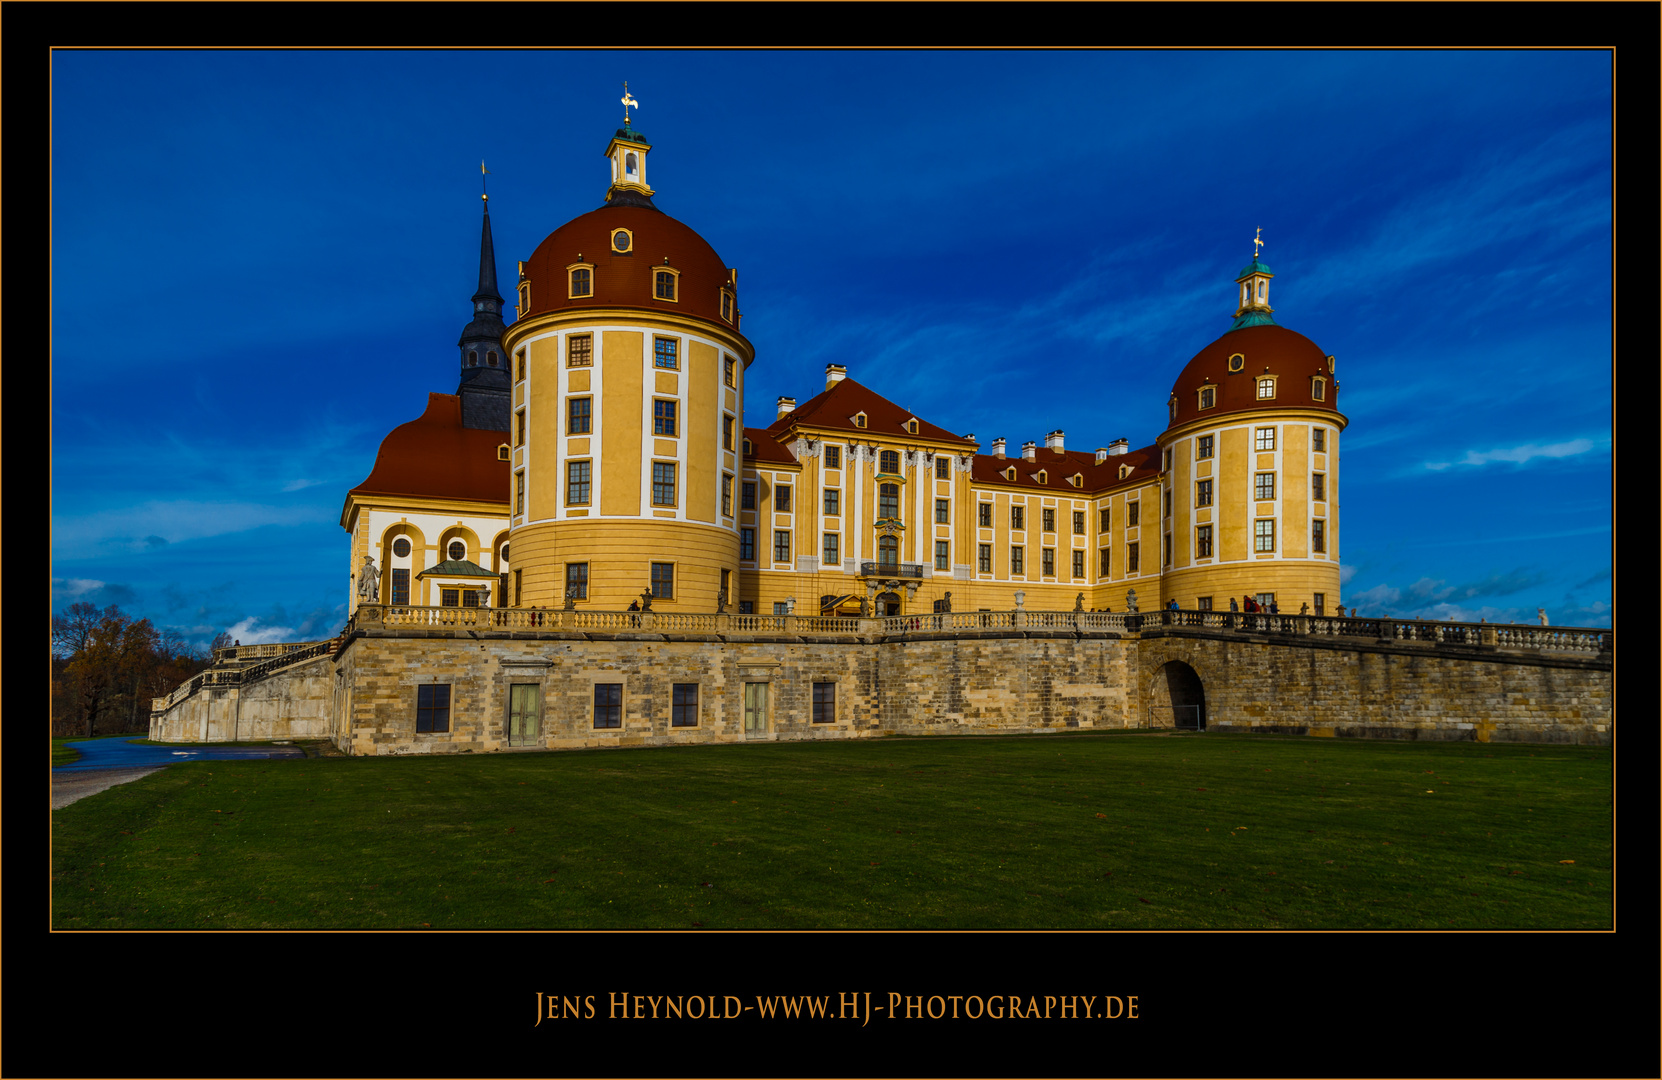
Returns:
(524, 714)
(755, 708)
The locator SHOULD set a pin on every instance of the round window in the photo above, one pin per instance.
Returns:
(504, 552)
(401, 547)
(1237, 362)
(458, 550)
(620, 241)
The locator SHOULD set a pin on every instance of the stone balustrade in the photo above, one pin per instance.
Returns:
(1405, 631)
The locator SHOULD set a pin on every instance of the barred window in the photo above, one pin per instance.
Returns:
(683, 709)
(663, 580)
(943, 512)
(663, 417)
(1079, 564)
(782, 498)
(433, 707)
(1203, 446)
(943, 467)
(608, 705)
(825, 703)
(1079, 523)
(1264, 439)
(984, 558)
(1203, 493)
(663, 483)
(889, 462)
(833, 457)
(664, 285)
(1318, 536)
(580, 350)
(577, 483)
(747, 545)
(1017, 560)
(828, 550)
(666, 352)
(747, 495)
(781, 546)
(582, 284)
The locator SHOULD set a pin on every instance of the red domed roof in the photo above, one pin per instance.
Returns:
(1272, 350)
(435, 456)
(625, 280)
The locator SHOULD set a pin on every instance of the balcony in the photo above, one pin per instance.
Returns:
(891, 570)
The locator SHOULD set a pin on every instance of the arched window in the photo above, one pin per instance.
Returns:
(888, 551)
(473, 358)
(629, 164)
(888, 502)
(490, 358)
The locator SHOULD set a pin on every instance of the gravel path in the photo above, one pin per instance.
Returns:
(70, 786)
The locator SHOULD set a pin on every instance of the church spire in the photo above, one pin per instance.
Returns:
(484, 380)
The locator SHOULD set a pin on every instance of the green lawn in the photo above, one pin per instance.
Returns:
(1123, 831)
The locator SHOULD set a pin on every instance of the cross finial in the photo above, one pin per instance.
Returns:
(628, 103)
(1256, 242)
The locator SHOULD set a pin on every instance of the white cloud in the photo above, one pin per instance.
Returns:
(296, 485)
(1518, 455)
(176, 521)
(74, 587)
(249, 632)
(1346, 573)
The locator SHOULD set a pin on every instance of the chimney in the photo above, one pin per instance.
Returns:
(1029, 451)
(1101, 454)
(834, 374)
(786, 404)
(1053, 441)
(998, 448)
(1118, 447)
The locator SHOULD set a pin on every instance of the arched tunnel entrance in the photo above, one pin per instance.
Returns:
(1177, 699)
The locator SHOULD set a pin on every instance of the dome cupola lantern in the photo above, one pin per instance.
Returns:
(1254, 293)
(627, 152)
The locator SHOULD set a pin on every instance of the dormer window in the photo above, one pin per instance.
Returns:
(503, 453)
(1208, 396)
(663, 283)
(623, 241)
(1266, 388)
(1042, 477)
(859, 419)
(1125, 471)
(1318, 389)
(1236, 363)
(524, 297)
(1078, 481)
(747, 448)
(1010, 473)
(582, 280)
(727, 305)
(911, 427)
(1172, 405)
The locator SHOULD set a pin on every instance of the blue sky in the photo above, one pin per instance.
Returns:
(262, 261)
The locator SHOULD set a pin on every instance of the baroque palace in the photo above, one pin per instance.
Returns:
(584, 547)
(595, 454)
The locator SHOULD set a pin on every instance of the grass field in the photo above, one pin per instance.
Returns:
(1120, 831)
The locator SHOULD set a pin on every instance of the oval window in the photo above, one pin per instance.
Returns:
(401, 547)
(620, 241)
(1237, 362)
(457, 550)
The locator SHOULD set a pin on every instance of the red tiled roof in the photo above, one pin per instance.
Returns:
(884, 419)
(1145, 463)
(625, 281)
(764, 448)
(1289, 355)
(435, 457)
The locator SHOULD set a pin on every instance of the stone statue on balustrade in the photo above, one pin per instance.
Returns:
(369, 582)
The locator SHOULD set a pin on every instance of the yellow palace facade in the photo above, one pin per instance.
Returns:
(595, 457)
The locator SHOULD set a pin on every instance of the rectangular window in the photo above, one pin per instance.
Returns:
(1318, 389)
(1203, 493)
(1318, 487)
(1318, 440)
(1167, 466)
(580, 350)
(582, 283)
(663, 483)
(1320, 603)
(781, 546)
(433, 707)
(450, 597)
(1203, 541)
(727, 433)
(1103, 516)
(664, 287)
(747, 545)
(833, 502)
(726, 494)
(1016, 559)
(747, 495)
(1264, 439)
(943, 556)
(519, 492)
(579, 412)
(1318, 536)
(663, 417)
(1203, 446)
(608, 705)
(666, 352)
(1047, 562)
(1263, 534)
(518, 594)
(828, 550)
(519, 428)
(683, 708)
(1131, 558)
(1263, 485)
(1018, 515)
(577, 580)
(521, 357)
(1079, 564)
(984, 559)
(1048, 519)
(782, 498)
(1203, 603)
(943, 512)
(1079, 523)
(1208, 397)
(1102, 562)
(833, 457)
(1266, 389)
(780, 607)
(1132, 514)
(943, 467)
(401, 586)
(470, 597)
(729, 368)
(663, 581)
(984, 514)
(1168, 502)
(825, 703)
